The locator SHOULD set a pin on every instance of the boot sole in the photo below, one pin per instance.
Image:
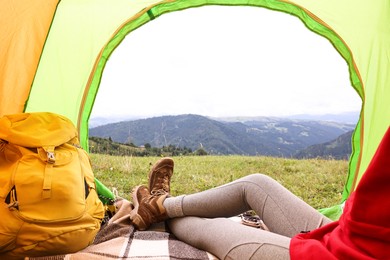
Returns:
(137, 220)
(160, 164)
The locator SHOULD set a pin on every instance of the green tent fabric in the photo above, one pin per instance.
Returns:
(53, 54)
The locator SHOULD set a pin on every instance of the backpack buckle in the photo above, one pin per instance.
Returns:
(51, 157)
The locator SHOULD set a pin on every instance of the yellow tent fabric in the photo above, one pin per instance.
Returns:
(53, 54)
(24, 26)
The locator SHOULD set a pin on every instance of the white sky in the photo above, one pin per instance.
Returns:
(225, 61)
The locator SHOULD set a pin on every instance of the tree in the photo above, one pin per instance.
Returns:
(201, 152)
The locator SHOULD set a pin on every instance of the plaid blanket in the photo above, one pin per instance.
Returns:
(119, 240)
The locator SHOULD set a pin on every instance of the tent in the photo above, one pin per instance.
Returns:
(53, 54)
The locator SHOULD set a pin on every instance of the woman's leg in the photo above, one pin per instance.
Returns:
(227, 239)
(283, 212)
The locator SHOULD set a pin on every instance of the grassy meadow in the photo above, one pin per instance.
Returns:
(318, 182)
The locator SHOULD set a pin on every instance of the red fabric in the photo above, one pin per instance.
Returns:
(363, 231)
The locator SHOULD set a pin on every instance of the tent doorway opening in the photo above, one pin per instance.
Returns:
(223, 61)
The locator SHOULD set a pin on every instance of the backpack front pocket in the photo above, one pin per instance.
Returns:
(50, 191)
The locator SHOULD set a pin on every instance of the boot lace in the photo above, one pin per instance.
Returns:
(162, 187)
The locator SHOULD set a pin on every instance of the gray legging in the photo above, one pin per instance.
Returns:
(200, 219)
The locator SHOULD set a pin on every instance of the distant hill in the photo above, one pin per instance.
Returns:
(98, 121)
(346, 117)
(339, 148)
(260, 136)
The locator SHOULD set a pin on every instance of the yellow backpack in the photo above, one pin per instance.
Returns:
(48, 199)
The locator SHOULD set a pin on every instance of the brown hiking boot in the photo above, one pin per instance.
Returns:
(148, 209)
(160, 176)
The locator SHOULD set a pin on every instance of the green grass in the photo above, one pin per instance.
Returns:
(318, 182)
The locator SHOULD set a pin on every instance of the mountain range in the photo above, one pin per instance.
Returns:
(269, 136)
(339, 148)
